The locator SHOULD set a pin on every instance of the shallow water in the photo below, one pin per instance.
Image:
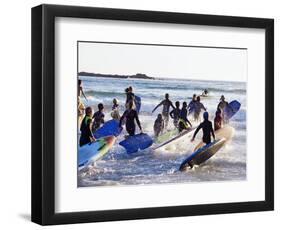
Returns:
(161, 166)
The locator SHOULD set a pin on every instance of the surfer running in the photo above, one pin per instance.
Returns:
(166, 109)
(131, 115)
(207, 128)
(218, 120)
(158, 125)
(175, 114)
(85, 128)
(184, 123)
(197, 108)
(98, 117)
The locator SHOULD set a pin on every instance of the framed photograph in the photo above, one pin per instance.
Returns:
(142, 114)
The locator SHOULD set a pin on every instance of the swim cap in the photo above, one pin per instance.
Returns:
(205, 115)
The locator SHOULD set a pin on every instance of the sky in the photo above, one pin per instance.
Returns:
(182, 62)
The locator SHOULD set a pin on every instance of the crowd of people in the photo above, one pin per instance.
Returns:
(91, 121)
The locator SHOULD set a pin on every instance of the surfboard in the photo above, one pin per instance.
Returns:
(94, 151)
(138, 103)
(135, 143)
(183, 133)
(166, 136)
(232, 108)
(203, 154)
(109, 128)
(227, 132)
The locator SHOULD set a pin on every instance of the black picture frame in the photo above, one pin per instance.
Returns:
(43, 113)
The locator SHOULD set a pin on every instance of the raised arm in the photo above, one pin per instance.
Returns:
(161, 103)
(171, 103)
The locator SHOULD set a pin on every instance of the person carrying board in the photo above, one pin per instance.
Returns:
(222, 105)
(131, 116)
(166, 109)
(207, 128)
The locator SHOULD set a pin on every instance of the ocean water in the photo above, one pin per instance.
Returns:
(161, 166)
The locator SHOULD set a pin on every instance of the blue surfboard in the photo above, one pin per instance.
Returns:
(232, 108)
(135, 143)
(202, 154)
(138, 103)
(109, 128)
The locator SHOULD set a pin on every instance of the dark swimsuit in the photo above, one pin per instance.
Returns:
(86, 132)
(130, 116)
(207, 131)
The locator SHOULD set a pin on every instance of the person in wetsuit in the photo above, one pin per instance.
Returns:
(207, 128)
(98, 117)
(184, 123)
(175, 114)
(131, 115)
(218, 120)
(197, 108)
(166, 109)
(85, 128)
